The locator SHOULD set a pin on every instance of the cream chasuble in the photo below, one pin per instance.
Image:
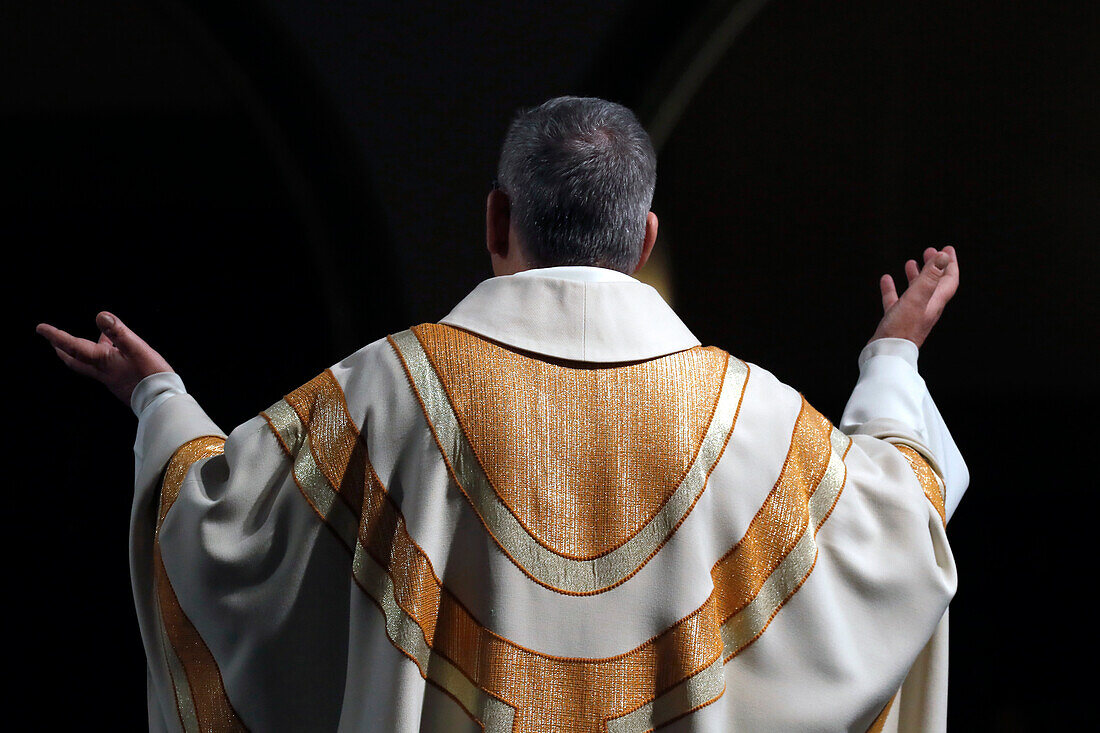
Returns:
(552, 511)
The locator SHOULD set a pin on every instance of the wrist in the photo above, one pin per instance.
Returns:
(915, 336)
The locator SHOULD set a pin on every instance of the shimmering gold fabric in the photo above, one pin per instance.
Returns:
(507, 687)
(761, 573)
(200, 695)
(333, 436)
(688, 696)
(782, 519)
(324, 458)
(930, 483)
(542, 564)
(584, 456)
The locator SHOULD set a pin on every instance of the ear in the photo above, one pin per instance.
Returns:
(649, 241)
(498, 218)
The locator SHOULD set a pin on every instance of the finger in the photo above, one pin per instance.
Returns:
(79, 348)
(123, 339)
(929, 253)
(911, 271)
(104, 340)
(76, 365)
(48, 332)
(924, 286)
(953, 267)
(948, 284)
(889, 292)
(940, 298)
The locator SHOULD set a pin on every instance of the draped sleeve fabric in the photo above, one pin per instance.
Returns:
(892, 404)
(241, 591)
(866, 602)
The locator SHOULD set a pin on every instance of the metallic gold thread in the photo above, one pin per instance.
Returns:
(930, 483)
(542, 564)
(507, 687)
(200, 693)
(556, 440)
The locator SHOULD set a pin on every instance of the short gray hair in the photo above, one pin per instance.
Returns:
(580, 173)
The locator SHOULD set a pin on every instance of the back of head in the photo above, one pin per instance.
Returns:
(580, 173)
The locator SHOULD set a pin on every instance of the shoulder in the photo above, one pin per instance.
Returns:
(770, 415)
(373, 373)
(372, 357)
(763, 385)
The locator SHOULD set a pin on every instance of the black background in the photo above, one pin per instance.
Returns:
(261, 188)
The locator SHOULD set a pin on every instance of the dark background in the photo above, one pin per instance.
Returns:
(261, 187)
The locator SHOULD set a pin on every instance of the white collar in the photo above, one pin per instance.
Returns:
(574, 313)
(578, 273)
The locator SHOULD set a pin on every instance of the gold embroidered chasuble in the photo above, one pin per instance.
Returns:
(448, 532)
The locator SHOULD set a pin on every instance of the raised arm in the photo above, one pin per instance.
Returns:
(238, 584)
(891, 401)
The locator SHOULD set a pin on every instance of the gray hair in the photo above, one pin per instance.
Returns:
(580, 173)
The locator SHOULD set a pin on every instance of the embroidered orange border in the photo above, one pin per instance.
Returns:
(424, 410)
(573, 693)
(209, 702)
(929, 482)
(429, 336)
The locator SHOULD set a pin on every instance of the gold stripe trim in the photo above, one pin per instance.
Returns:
(930, 482)
(746, 625)
(409, 637)
(294, 437)
(506, 687)
(185, 706)
(320, 493)
(697, 691)
(544, 566)
(404, 632)
(287, 426)
(201, 700)
(583, 455)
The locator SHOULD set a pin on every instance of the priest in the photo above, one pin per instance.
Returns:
(553, 510)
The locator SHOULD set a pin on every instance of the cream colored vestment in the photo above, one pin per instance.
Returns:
(552, 511)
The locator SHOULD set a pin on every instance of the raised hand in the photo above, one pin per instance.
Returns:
(119, 359)
(913, 315)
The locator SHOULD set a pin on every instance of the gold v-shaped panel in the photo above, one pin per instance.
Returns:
(579, 472)
(509, 688)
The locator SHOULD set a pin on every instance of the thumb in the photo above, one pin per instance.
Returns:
(930, 275)
(123, 338)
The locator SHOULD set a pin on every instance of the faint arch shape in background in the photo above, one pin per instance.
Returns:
(697, 50)
(321, 168)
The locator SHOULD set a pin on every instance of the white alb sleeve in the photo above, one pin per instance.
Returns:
(892, 402)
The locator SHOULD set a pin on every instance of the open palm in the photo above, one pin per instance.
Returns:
(119, 359)
(912, 315)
